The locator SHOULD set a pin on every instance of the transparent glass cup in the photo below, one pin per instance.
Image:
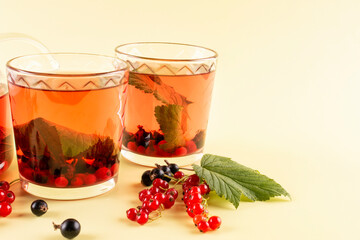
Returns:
(169, 95)
(68, 114)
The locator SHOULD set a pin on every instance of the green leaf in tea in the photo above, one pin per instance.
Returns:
(73, 142)
(231, 179)
(40, 137)
(169, 118)
(166, 94)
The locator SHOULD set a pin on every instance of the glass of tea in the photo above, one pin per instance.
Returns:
(68, 114)
(169, 95)
(6, 132)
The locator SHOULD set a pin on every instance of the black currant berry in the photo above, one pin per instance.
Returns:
(156, 173)
(173, 167)
(167, 171)
(39, 207)
(145, 178)
(165, 168)
(70, 228)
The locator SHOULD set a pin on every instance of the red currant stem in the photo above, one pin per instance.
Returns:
(205, 202)
(180, 180)
(14, 181)
(157, 216)
(172, 178)
(56, 226)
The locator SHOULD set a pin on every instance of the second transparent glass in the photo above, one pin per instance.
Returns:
(169, 95)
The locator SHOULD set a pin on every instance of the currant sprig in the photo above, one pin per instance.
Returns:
(160, 196)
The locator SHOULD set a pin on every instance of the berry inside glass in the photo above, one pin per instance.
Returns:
(67, 123)
(169, 95)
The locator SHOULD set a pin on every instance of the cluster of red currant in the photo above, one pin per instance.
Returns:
(196, 203)
(160, 196)
(6, 198)
(154, 200)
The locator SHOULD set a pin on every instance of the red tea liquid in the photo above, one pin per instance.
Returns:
(67, 138)
(6, 136)
(170, 110)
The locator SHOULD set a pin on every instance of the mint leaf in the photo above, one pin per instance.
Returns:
(169, 118)
(231, 179)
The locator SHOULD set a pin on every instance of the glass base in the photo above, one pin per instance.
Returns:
(151, 161)
(68, 193)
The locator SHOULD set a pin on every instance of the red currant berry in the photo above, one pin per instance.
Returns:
(193, 180)
(145, 210)
(142, 218)
(164, 185)
(197, 208)
(114, 168)
(195, 198)
(2, 195)
(173, 192)
(145, 205)
(61, 182)
(153, 204)
(204, 189)
(214, 222)
(203, 226)
(10, 197)
(132, 146)
(103, 173)
(186, 187)
(154, 190)
(195, 190)
(181, 151)
(89, 179)
(5, 209)
(4, 185)
(179, 175)
(190, 212)
(190, 146)
(199, 218)
(160, 197)
(147, 198)
(77, 181)
(132, 214)
(157, 182)
(169, 201)
(186, 198)
(143, 194)
(141, 149)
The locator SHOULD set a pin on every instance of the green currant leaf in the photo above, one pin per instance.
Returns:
(231, 179)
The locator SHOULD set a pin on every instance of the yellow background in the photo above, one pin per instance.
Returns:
(286, 102)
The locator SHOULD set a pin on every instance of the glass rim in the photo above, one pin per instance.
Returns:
(214, 56)
(49, 74)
